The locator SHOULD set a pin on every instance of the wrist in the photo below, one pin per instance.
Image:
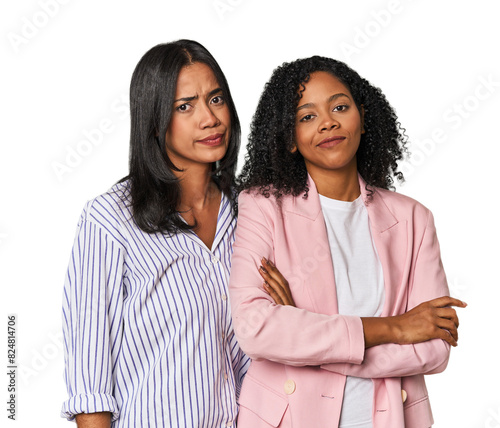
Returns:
(395, 329)
(376, 331)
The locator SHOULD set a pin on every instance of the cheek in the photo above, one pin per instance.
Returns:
(225, 117)
(175, 132)
(302, 138)
(356, 125)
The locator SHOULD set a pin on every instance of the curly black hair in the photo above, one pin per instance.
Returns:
(272, 168)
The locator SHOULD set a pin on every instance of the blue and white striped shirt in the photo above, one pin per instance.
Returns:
(147, 325)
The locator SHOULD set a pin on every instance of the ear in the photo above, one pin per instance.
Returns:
(294, 148)
(362, 114)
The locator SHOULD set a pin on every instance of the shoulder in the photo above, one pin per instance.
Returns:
(110, 211)
(254, 199)
(401, 206)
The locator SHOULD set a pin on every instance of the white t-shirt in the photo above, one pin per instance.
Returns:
(360, 290)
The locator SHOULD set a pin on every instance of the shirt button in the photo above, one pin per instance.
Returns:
(289, 387)
(404, 395)
(229, 424)
(225, 376)
(215, 260)
(224, 297)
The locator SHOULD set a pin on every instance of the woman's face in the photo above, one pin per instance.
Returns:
(328, 125)
(200, 127)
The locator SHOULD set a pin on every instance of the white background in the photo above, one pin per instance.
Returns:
(65, 70)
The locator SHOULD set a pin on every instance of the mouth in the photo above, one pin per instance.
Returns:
(212, 140)
(330, 142)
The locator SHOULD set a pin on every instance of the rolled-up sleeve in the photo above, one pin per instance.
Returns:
(92, 320)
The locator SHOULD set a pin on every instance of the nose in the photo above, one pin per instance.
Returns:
(207, 118)
(328, 123)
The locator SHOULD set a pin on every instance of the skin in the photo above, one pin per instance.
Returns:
(326, 110)
(199, 111)
(93, 420)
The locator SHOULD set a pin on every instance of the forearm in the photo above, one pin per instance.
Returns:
(417, 342)
(93, 420)
(293, 336)
(392, 360)
(379, 331)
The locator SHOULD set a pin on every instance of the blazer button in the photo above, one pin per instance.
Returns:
(404, 395)
(289, 387)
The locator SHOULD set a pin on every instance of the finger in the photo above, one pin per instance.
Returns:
(447, 337)
(273, 270)
(278, 288)
(448, 313)
(266, 273)
(276, 274)
(263, 272)
(448, 325)
(275, 296)
(444, 301)
(274, 282)
(273, 275)
(269, 263)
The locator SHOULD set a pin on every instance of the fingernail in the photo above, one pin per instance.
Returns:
(263, 270)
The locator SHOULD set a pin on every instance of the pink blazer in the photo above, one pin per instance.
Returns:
(302, 355)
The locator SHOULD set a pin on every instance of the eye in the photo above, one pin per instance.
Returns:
(219, 99)
(306, 118)
(342, 107)
(183, 107)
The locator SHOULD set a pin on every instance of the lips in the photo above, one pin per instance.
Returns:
(331, 141)
(211, 140)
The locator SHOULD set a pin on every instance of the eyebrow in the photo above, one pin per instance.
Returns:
(332, 98)
(187, 99)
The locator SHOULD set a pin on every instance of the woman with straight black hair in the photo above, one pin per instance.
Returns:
(155, 190)
(148, 334)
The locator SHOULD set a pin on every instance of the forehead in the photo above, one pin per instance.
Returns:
(322, 83)
(197, 78)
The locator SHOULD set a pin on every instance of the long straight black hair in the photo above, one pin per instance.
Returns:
(154, 189)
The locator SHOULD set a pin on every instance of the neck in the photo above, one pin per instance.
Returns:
(342, 185)
(197, 188)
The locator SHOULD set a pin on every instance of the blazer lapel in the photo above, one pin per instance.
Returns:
(315, 262)
(389, 235)
(391, 241)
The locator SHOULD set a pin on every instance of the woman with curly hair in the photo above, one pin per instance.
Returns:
(364, 310)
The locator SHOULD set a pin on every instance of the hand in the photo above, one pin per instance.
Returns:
(434, 319)
(275, 284)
